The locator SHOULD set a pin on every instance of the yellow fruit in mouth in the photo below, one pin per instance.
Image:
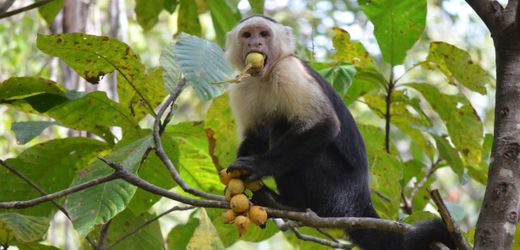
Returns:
(256, 60)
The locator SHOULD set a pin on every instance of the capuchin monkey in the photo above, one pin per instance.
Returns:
(295, 128)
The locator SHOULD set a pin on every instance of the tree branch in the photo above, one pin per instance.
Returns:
(26, 8)
(487, 10)
(59, 194)
(320, 240)
(159, 149)
(146, 223)
(454, 231)
(103, 236)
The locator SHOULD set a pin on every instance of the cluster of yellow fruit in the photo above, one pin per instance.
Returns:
(242, 211)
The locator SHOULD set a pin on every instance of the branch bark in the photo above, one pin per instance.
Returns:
(498, 218)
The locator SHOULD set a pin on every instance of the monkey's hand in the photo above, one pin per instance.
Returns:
(249, 165)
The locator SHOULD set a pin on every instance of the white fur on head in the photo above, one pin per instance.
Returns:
(282, 42)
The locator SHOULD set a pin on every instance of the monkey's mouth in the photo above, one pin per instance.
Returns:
(259, 71)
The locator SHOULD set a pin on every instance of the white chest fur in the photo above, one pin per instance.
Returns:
(288, 91)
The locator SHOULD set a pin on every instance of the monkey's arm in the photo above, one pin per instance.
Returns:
(294, 147)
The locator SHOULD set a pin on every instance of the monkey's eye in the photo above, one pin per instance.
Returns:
(264, 34)
(246, 34)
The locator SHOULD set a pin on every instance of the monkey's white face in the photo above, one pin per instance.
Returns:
(256, 38)
(258, 34)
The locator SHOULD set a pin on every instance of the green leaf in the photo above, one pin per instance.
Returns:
(51, 165)
(147, 12)
(450, 155)
(170, 5)
(180, 235)
(202, 62)
(456, 64)
(148, 237)
(348, 51)
(93, 112)
(257, 6)
(339, 75)
(480, 172)
(35, 246)
(225, 16)
(365, 80)
(25, 228)
(99, 204)
(458, 115)
(26, 131)
(397, 25)
(304, 244)
(148, 89)
(171, 72)
(41, 94)
(229, 234)
(154, 171)
(205, 236)
(50, 10)
(196, 167)
(91, 56)
(221, 131)
(188, 19)
(420, 216)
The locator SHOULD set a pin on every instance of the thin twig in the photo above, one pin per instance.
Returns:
(453, 229)
(159, 151)
(41, 191)
(146, 223)
(173, 97)
(59, 194)
(388, 114)
(26, 8)
(103, 235)
(326, 234)
(320, 240)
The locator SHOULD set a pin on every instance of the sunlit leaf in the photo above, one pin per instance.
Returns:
(51, 165)
(458, 115)
(450, 155)
(99, 204)
(397, 25)
(196, 166)
(50, 10)
(348, 51)
(91, 56)
(205, 236)
(221, 131)
(456, 64)
(25, 228)
(419, 216)
(202, 62)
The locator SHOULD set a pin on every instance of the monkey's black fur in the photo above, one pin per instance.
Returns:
(325, 170)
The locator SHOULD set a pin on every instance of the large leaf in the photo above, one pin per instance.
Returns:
(225, 16)
(397, 25)
(457, 64)
(188, 18)
(99, 204)
(92, 112)
(148, 237)
(25, 228)
(458, 115)
(180, 235)
(41, 94)
(348, 51)
(196, 166)
(51, 165)
(91, 56)
(202, 62)
(221, 131)
(171, 72)
(147, 12)
(26, 131)
(205, 236)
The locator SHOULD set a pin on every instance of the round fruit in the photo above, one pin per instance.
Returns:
(235, 186)
(239, 203)
(229, 216)
(254, 185)
(255, 59)
(258, 215)
(224, 176)
(242, 223)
